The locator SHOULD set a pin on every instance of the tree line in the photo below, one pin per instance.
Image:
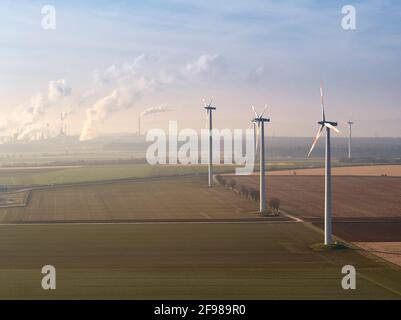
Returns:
(247, 191)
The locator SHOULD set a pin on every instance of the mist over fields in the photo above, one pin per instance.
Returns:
(132, 149)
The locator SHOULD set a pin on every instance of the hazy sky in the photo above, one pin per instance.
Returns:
(109, 60)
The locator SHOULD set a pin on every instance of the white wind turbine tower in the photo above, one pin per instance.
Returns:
(209, 109)
(260, 122)
(350, 123)
(327, 192)
(255, 140)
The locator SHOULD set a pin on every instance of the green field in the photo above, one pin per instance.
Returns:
(75, 156)
(169, 198)
(184, 261)
(89, 173)
(44, 176)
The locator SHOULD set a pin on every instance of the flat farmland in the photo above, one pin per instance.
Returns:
(175, 198)
(47, 175)
(179, 253)
(184, 261)
(365, 208)
(373, 170)
(367, 197)
(62, 174)
(390, 251)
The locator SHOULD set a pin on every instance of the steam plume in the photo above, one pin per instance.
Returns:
(161, 108)
(128, 87)
(25, 123)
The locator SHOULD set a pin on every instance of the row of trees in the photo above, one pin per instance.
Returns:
(246, 191)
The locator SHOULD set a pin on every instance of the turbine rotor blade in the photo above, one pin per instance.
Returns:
(330, 126)
(264, 110)
(322, 100)
(319, 132)
(256, 115)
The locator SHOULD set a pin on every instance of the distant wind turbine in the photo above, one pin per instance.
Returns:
(350, 123)
(209, 109)
(260, 122)
(327, 194)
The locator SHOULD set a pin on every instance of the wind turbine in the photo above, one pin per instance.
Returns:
(209, 109)
(350, 123)
(260, 122)
(327, 191)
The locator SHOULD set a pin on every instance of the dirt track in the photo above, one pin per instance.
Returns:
(390, 251)
(379, 170)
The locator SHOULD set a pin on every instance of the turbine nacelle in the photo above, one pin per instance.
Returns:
(256, 120)
(325, 122)
(209, 107)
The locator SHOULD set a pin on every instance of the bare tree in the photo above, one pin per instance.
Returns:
(275, 205)
(243, 190)
(253, 194)
(231, 183)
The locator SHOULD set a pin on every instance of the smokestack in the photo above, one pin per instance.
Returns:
(139, 126)
(61, 124)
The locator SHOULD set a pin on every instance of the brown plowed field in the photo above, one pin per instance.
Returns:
(365, 208)
(390, 251)
(303, 196)
(379, 170)
(367, 231)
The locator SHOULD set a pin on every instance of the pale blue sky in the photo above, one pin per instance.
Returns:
(254, 52)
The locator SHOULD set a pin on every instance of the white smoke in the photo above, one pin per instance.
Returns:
(97, 113)
(68, 112)
(57, 90)
(29, 131)
(121, 98)
(115, 73)
(203, 64)
(117, 88)
(25, 123)
(161, 108)
(129, 85)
